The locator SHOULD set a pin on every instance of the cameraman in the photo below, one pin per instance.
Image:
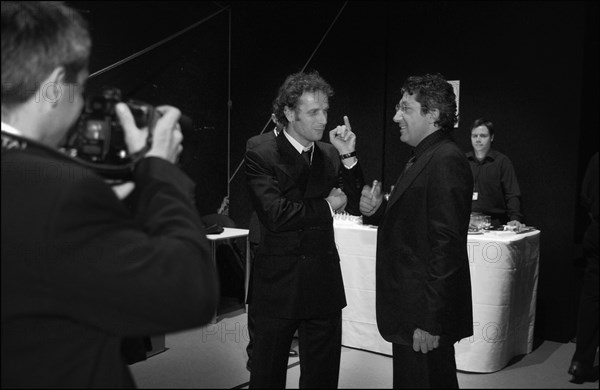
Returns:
(81, 272)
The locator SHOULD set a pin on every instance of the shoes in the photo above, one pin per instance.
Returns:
(580, 374)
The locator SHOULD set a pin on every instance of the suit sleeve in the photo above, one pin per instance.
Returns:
(352, 183)
(277, 211)
(139, 273)
(449, 198)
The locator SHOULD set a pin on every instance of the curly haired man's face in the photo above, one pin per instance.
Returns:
(307, 122)
(414, 126)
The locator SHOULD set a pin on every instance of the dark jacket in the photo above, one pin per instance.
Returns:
(589, 200)
(296, 271)
(254, 225)
(422, 271)
(81, 272)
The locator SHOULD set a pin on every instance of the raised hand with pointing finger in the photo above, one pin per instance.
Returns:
(344, 141)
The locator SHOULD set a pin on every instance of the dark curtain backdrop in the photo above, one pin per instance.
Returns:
(189, 71)
(530, 67)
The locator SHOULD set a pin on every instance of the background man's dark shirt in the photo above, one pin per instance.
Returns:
(495, 183)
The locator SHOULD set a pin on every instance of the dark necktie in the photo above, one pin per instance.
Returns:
(410, 162)
(306, 155)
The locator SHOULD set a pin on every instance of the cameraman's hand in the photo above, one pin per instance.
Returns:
(166, 137)
(135, 138)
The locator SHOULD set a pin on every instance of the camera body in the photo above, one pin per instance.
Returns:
(98, 136)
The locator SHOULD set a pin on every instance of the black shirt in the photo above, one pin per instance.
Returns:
(427, 142)
(495, 183)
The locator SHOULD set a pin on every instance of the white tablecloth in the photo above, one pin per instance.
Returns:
(504, 273)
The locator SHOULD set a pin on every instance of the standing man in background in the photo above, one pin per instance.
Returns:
(496, 191)
(582, 362)
(423, 294)
(297, 284)
(81, 272)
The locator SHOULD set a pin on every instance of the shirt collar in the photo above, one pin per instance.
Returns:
(11, 130)
(491, 155)
(297, 144)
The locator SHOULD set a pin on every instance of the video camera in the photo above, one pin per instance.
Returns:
(98, 141)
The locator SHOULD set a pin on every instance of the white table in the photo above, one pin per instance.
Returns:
(504, 273)
(228, 233)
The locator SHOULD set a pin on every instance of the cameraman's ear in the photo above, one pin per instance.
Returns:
(51, 89)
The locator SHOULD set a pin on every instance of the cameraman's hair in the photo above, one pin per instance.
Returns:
(433, 92)
(292, 89)
(38, 37)
(483, 122)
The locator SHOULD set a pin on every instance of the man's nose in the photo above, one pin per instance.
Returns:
(322, 118)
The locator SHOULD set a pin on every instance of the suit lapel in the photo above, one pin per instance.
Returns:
(408, 177)
(292, 163)
(309, 180)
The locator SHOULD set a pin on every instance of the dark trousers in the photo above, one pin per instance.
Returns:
(319, 342)
(587, 318)
(250, 346)
(250, 316)
(417, 370)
